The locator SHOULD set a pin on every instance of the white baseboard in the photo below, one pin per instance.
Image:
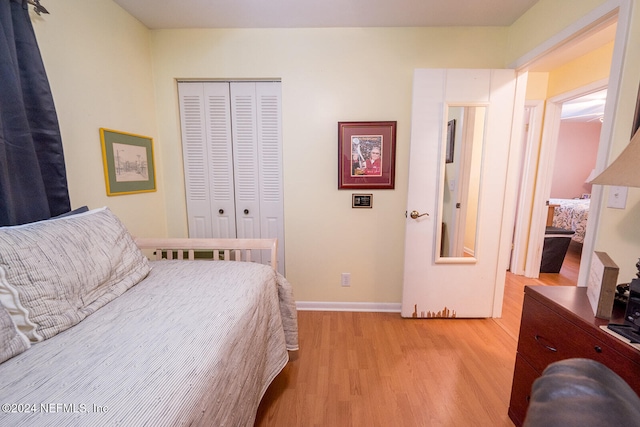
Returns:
(386, 307)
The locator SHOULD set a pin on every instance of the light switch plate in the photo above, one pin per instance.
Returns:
(617, 197)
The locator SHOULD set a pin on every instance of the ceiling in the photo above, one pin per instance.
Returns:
(327, 13)
(173, 14)
(587, 108)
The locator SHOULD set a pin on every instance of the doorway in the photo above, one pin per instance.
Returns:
(601, 27)
(574, 166)
(569, 150)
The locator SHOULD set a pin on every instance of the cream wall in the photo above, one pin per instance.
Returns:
(328, 75)
(545, 19)
(537, 84)
(98, 61)
(590, 68)
(107, 70)
(619, 233)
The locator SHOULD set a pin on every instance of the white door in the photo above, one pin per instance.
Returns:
(269, 125)
(460, 286)
(208, 159)
(245, 159)
(232, 153)
(256, 111)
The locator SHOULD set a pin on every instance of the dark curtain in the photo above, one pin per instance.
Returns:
(33, 179)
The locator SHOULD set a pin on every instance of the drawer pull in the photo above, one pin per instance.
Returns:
(598, 349)
(539, 340)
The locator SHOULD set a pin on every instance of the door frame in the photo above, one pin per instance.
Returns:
(548, 151)
(612, 9)
(530, 148)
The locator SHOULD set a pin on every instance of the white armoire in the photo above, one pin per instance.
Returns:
(232, 153)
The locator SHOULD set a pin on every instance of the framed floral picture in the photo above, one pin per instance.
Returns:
(366, 155)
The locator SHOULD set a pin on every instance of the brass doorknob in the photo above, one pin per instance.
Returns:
(416, 214)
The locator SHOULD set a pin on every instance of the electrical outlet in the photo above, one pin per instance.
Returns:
(346, 279)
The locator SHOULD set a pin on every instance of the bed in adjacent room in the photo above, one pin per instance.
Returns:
(571, 214)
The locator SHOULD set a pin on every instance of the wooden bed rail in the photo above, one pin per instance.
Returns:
(215, 249)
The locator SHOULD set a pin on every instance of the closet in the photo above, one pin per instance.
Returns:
(232, 154)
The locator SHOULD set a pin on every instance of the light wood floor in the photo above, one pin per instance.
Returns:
(377, 369)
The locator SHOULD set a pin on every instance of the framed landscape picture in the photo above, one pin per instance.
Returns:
(366, 155)
(128, 162)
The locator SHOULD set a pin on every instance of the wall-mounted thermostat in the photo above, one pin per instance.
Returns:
(362, 201)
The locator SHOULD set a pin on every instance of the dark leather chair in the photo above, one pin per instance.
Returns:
(584, 393)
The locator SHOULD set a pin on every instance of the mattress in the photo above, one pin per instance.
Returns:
(195, 343)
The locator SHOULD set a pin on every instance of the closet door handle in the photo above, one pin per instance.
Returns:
(221, 211)
(246, 211)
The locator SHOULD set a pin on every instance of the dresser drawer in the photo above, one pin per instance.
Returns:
(523, 378)
(546, 337)
(557, 323)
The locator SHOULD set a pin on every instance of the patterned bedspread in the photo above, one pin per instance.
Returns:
(572, 214)
(195, 343)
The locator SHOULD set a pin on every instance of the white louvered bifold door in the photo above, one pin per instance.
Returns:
(232, 147)
(208, 160)
(220, 159)
(245, 159)
(270, 161)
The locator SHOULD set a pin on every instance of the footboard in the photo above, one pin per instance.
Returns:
(214, 249)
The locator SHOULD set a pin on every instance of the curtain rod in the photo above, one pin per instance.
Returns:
(37, 7)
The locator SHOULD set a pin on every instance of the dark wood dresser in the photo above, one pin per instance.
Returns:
(558, 323)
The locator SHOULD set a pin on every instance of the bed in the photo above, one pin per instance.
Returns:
(571, 214)
(193, 342)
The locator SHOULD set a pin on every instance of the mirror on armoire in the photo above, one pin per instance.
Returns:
(460, 183)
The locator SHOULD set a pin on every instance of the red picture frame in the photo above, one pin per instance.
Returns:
(366, 155)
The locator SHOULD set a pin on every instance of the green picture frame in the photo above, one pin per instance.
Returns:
(128, 162)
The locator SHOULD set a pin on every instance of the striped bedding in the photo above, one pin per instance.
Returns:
(195, 343)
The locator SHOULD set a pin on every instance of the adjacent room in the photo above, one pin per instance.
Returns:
(575, 161)
(302, 213)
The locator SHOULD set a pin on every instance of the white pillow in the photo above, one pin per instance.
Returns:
(12, 341)
(56, 272)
